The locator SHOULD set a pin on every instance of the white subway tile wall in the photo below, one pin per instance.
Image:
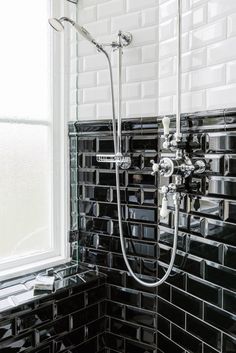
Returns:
(149, 64)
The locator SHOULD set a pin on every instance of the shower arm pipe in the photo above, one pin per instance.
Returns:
(120, 54)
(178, 134)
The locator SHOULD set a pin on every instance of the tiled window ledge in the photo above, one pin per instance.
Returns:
(21, 290)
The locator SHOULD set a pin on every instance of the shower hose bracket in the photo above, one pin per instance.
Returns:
(124, 162)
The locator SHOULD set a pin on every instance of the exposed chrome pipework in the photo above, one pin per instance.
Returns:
(123, 40)
(181, 166)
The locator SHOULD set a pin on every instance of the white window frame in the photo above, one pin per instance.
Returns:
(60, 184)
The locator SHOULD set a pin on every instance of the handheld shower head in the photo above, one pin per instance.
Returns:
(58, 26)
(85, 33)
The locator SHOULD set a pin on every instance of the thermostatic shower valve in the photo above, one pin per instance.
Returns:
(183, 167)
(180, 166)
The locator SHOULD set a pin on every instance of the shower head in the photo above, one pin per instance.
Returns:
(57, 24)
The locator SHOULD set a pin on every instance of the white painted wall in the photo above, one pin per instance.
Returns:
(208, 52)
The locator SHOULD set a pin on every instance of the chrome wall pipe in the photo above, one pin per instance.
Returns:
(178, 134)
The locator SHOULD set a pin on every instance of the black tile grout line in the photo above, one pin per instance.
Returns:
(171, 323)
(135, 221)
(139, 257)
(146, 327)
(31, 331)
(133, 340)
(161, 246)
(181, 290)
(85, 341)
(147, 186)
(157, 313)
(154, 207)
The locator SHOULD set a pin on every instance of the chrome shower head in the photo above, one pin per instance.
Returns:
(58, 26)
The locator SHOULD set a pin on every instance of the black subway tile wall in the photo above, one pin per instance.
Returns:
(194, 311)
(71, 319)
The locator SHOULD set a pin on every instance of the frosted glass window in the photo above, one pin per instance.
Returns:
(25, 191)
(29, 145)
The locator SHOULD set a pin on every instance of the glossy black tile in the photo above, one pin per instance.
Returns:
(220, 275)
(229, 344)
(70, 305)
(230, 256)
(87, 177)
(187, 341)
(223, 187)
(187, 302)
(133, 347)
(7, 329)
(148, 302)
(85, 316)
(89, 346)
(219, 231)
(115, 310)
(124, 296)
(141, 317)
(96, 296)
(51, 330)
(204, 290)
(144, 143)
(163, 325)
(95, 328)
(206, 206)
(131, 283)
(142, 249)
(20, 344)
(229, 301)
(141, 179)
(221, 142)
(125, 329)
(204, 266)
(171, 312)
(86, 145)
(109, 178)
(208, 349)
(142, 214)
(220, 319)
(167, 345)
(105, 145)
(34, 318)
(205, 249)
(148, 336)
(114, 342)
(97, 193)
(204, 332)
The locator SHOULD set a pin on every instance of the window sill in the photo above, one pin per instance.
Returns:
(6, 275)
(19, 291)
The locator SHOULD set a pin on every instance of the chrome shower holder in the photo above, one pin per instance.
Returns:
(124, 39)
(124, 162)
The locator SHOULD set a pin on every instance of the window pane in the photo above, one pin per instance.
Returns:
(24, 59)
(25, 189)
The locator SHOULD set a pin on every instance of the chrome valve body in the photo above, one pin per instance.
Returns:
(180, 166)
